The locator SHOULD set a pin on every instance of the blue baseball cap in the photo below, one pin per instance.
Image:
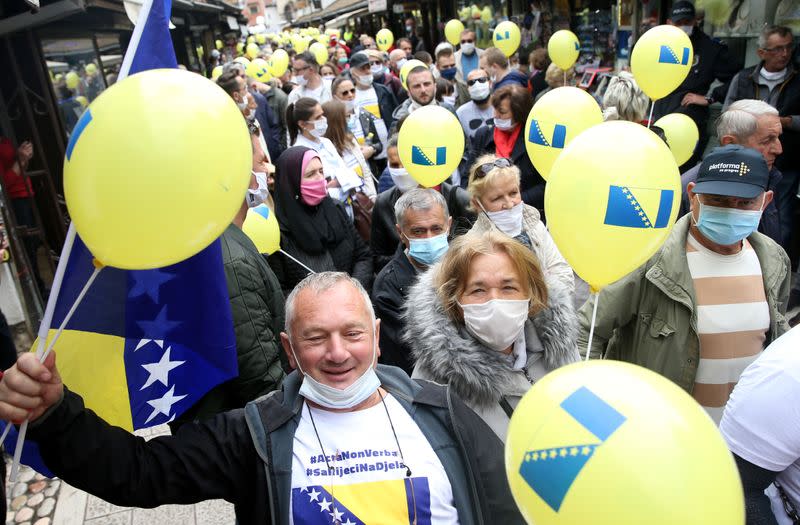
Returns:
(733, 171)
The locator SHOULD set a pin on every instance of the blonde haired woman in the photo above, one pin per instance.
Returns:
(623, 100)
(484, 321)
(494, 189)
(555, 77)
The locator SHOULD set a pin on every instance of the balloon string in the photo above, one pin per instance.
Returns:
(591, 327)
(298, 262)
(650, 118)
(24, 427)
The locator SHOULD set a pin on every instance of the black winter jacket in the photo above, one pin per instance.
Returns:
(350, 256)
(384, 237)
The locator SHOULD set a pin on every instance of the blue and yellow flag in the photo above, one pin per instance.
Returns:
(144, 346)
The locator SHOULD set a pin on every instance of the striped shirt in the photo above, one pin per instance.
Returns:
(732, 320)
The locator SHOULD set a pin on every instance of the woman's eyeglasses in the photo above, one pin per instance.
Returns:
(348, 91)
(476, 80)
(467, 41)
(484, 169)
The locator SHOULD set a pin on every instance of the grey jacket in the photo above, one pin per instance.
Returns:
(447, 353)
(649, 317)
(471, 456)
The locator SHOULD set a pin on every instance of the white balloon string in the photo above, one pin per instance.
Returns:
(591, 326)
(298, 262)
(650, 118)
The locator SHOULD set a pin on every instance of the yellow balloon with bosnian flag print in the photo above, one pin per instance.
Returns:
(430, 145)
(384, 39)
(278, 62)
(611, 200)
(682, 135)
(563, 48)
(612, 443)
(150, 202)
(261, 226)
(558, 116)
(506, 37)
(259, 70)
(661, 60)
(406, 69)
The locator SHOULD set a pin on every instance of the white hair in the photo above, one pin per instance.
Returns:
(322, 282)
(623, 100)
(772, 30)
(741, 118)
(418, 199)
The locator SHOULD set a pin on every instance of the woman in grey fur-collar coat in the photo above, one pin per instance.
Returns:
(450, 350)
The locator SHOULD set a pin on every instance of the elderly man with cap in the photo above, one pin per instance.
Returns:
(712, 298)
(711, 61)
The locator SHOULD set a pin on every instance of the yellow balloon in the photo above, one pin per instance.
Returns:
(506, 37)
(475, 12)
(611, 200)
(261, 39)
(219, 44)
(486, 15)
(682, 135)
(661, 59)
(90, 68)
(72, 79)
(251, 39)
(611, 443)
(406, 69)
(216, 72)
(252, 50)
(557, 118)
(278, 62)
(83, 101)
(430, 144)
(239, 47)
(149, 203)
(300, 43)
(563, 48)
(243, 61)
(259, 70)
(262, 227)
(384, 39)
(452, 31)
(320, 52)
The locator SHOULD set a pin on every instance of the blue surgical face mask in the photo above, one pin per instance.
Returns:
(726, 226)
(427, 251)
(334, 398)
(448, 74)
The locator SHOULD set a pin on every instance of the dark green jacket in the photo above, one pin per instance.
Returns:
(649, 317)
(257, 308)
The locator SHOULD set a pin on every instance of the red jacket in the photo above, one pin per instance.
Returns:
(16, 186)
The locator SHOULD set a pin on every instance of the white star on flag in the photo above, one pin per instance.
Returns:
(314, 495)
(144, 342)
(336, 515)
(160, 371)
(348, 522)
(164, 404)
(325, 505)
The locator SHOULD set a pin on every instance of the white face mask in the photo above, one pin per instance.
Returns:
(468, 49)
(350, 105)
(320, 127)
(503, 124)
(496, 323)
(334, 398)
(401, 63)
(402, 179)
(300, 81)
(480, 91)
(507, 221)
(687, 29)
(258, 196)
(449, 99)
(376, 69)
(364, 81)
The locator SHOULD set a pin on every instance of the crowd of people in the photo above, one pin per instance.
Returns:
(460, 285)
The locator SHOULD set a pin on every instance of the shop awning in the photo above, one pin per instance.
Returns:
(338, 8)
(49, 12)
(341, 20)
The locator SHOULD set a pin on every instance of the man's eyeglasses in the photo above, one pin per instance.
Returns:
(349, 91)
(467, 42)
(780, 49)
(372, 64)
(484, 169)
(476, 80)
(298, 70)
